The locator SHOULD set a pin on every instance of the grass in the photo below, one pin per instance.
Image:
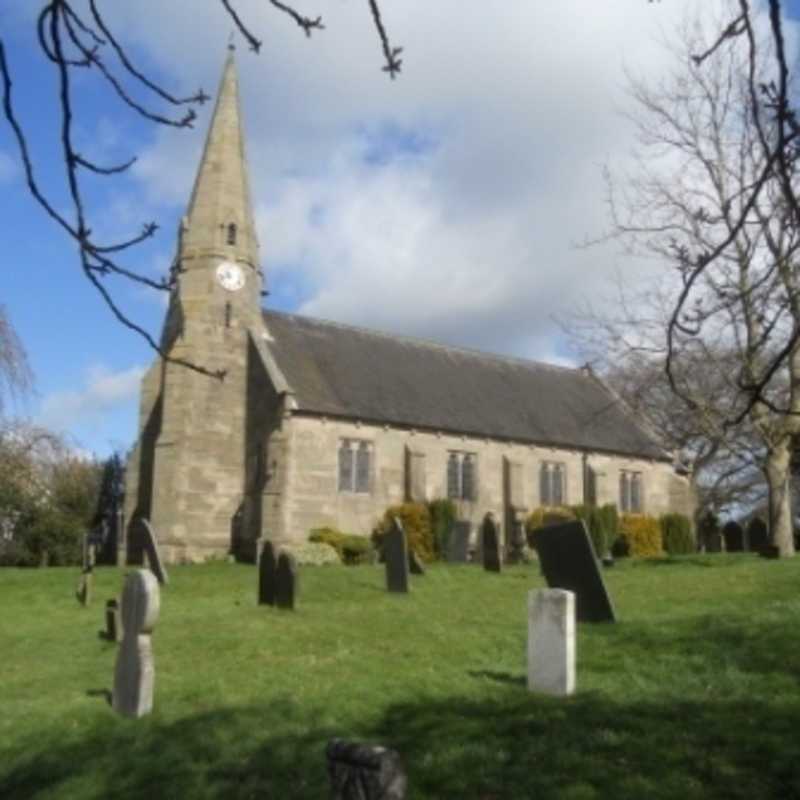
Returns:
(694, 693)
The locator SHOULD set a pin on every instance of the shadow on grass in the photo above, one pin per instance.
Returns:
(499, 677)
(513, 746)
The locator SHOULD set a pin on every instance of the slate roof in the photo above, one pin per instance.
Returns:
(341, 371)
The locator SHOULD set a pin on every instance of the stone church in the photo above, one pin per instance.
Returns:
(297, 423)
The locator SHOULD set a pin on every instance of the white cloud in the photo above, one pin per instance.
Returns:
(9, 169)
(102, 392)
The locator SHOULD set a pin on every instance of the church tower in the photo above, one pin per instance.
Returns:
(186, 474)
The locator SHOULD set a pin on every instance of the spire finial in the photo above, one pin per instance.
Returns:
(231, 44)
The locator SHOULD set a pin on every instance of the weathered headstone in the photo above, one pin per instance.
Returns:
(150, 545)
(551, 641)
(286, 581)
(490, 544)
(113, 632)
(395, 552)
(267, 567)
(758, 534)
(134, 674)
(733, 533)
(364, 772)
(415, 565)
(516, 540)
(84, 591)
(458, 542)
(567, 560)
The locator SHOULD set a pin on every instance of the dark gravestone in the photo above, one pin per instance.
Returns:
(458, 542)
(84, 592)
(364, 772)
(517, 541)
(415, 565)
(113, 631)
(568, 561)
(395, 552)
(490, 544)
(267, 566)
(758, 534)
(733, 533)
(150, 545)
(286, 581)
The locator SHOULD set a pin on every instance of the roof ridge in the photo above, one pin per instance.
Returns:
(427, 342)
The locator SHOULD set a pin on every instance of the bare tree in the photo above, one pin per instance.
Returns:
(711, 196)
(16, 377)
(76, 36)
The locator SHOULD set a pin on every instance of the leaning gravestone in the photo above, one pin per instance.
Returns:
(551, 641)
(113, 632)
(134, 674)
(286, 581)
(151, 551)
(490, 544)
(267, 567)
(458, 542)
(568, 561)
(415, 565)
(364, 772)
(395, 552)
(733, 533)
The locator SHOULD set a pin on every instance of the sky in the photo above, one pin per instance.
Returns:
(448, 204)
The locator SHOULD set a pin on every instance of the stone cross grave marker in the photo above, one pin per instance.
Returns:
(568, 561)
(267, 566)
(286, 581)
(395, 552)
(151, 551)
(551, 641)
(415, 565)
(364, 772)
(134, 674)
(490, 544)
(458, 542)
(113, 631)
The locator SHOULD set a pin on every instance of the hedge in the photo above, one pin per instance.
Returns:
(639, 535)
(676, 533)
(416, 520)
(351, 549)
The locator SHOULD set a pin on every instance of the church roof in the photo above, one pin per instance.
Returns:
(343, 371)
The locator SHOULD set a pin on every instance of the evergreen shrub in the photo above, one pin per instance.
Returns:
(443, 514)
(594, 525)
(352, 549)
(546, 515)
(676, 533)
(639, 535)
(416, 520)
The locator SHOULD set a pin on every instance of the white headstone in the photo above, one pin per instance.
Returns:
(551, 641)
(134, 674)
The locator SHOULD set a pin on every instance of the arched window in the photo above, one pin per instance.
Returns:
(232, 233)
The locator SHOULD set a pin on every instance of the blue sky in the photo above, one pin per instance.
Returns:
(446, 204)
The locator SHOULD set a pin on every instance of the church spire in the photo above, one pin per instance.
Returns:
(219, 221)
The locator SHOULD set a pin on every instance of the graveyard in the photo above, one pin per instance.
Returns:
(694, 691)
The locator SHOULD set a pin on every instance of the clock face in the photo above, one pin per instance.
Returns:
(230, 276)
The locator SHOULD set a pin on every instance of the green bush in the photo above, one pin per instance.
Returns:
(546, 515)
(594, 525)
(416, 521)
(442, 513)
(352, 549)
(676, 533)
(639, 535)
(609, 519)
(314, 554)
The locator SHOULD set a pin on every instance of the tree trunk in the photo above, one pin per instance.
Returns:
(780, 505)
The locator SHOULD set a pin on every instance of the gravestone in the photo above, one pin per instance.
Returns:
(551, 641)
(267, 567)
(364, 772)
(150, 545)
(733, 533)
(134, 674)
(567, 560)
(490, 544)
(85, 585)
(516, 541)
(415, 565)
(458, 542)
(758, 534)
(286, 581)
(113, 630)
(395, 552)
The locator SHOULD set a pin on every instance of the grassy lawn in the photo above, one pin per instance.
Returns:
(694, 693)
